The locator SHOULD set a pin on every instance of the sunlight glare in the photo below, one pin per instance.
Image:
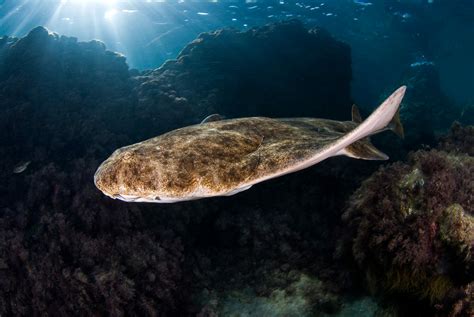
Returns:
(104, 2)
(109, 14)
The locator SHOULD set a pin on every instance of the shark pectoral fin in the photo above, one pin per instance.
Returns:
(364, 150)
(212, 118)
(396, 125)
(356, 117)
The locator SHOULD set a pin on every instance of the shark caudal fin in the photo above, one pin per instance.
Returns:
(364, 149)
(385, 117)
(396, 125)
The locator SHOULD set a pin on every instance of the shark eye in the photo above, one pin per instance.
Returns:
(157, 198)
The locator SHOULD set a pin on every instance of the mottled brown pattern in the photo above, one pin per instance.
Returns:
(215, 157)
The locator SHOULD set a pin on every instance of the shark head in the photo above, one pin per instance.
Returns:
(130, 175)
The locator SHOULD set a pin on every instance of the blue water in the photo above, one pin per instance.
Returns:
(384, 35)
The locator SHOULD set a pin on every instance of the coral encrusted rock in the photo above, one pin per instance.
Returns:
(412, 227)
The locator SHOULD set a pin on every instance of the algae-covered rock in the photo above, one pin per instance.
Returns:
(457, 231)
(303, 296)
(411, 228)
(460, 139)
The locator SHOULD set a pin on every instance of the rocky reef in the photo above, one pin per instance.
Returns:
(255, 73)
(66, 105)
(412, 227)
(67, 249)
(426, 111)
(61, 99)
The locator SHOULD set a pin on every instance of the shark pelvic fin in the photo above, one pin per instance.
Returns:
(363, 150)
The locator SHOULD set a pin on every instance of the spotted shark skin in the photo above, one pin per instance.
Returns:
(222, 158)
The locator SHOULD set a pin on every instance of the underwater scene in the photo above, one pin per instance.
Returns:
(237, 158)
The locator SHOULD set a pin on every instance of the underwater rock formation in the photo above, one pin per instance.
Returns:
(412, 226)
(63, 250)
(459, 140)
(278, 70)
(67, 249)
(426, 111)
(299, 295)
(61, 99)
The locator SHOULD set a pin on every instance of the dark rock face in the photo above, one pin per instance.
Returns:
(425, 110)
(280, 70)
(58, 97)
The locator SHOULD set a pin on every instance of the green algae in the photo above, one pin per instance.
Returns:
(410, 192)
(457, 231)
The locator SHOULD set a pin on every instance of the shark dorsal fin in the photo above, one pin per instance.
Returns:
(356, 117)
(212, 118)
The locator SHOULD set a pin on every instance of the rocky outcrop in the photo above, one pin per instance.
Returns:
(61, 99)
(67, 249)
(411, 227)
(280, 70)
(426, 112)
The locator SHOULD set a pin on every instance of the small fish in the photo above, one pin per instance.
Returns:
(362, 2)
(222, 158)
(421, 63)
(21, 167)
(403, 15)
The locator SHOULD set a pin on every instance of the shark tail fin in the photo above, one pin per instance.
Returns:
(396, 125)
(385, 117)
(364, 149)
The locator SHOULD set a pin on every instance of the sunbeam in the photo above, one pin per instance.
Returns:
(148, 32)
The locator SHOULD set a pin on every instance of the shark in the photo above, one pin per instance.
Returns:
(223, 157)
